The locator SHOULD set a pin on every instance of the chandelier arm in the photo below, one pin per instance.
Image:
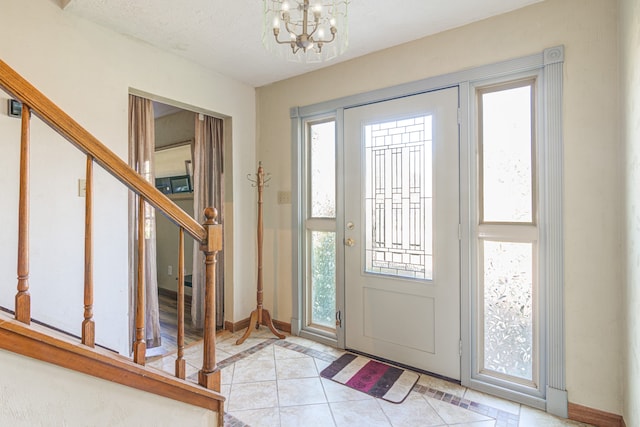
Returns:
(333, 37)
(286, 27)
(276, 33)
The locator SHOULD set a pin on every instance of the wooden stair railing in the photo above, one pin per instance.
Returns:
(209, 234)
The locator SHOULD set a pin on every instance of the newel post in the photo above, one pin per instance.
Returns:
(209, 375)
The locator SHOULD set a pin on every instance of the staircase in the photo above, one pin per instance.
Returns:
(19, 335)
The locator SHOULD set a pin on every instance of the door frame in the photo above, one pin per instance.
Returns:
(227, 190)
(549, 63)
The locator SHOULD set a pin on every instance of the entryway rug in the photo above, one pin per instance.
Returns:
(369, 376)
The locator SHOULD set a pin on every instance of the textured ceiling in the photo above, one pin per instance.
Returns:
(226, 35)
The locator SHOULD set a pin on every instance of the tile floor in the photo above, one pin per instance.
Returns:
(270, 382)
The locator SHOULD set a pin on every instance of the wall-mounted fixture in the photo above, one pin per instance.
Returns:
(14, 108)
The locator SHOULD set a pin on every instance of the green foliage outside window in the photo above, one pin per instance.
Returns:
(323, 278)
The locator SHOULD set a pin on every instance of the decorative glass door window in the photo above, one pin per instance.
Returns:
(398, 208)
(507, 308)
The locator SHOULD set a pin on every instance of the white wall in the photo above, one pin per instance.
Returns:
(88, 71)
(588, 30)
(27, 400)
(630, 90)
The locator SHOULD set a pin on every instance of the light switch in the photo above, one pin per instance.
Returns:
(82, 188)
(284, 197)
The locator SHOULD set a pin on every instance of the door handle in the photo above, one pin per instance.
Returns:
(349, 242)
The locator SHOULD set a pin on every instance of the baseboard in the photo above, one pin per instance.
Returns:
(595, 417)
(282, 326)
(244, 323)
(237, 326)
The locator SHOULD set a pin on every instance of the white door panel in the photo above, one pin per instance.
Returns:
(402, 285)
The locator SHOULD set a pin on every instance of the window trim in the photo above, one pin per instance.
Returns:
(520, 232)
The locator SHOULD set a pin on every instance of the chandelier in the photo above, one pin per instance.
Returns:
(305, 30)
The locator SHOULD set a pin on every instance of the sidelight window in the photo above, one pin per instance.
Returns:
(508, 323)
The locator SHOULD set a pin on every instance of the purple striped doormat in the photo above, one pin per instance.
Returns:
(374, 378)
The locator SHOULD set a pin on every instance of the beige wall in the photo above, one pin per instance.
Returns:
(27, 400)
(588, 30)
(89, 71)
(630, 90)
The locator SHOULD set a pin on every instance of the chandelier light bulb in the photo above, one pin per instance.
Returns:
(285, 6)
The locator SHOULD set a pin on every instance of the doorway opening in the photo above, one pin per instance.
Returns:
(185, 161)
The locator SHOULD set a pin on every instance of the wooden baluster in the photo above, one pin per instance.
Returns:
(140, 344)
(181, 368)
(23, 298)
(88, 325)
(209, 375)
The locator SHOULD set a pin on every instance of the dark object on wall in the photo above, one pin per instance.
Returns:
(164, 185)
(14, 108)
(181, 184)
(174, 184)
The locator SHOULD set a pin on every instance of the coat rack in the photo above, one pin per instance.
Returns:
(259, 316)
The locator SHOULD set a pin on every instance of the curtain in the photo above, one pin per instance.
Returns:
(141, 150)
(208, 191)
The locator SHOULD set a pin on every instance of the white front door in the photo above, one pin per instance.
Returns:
(402, 252)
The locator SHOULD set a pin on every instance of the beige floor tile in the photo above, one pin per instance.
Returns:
(336, 392)
(494, 402)
(267, 417)
(221, 355)
(265, 353)
(301, 391)
(298, 340)
(442, 385)
(307, 416)
(285, 353)
(225, 390)
(196, 359)
(414, 411)
(230, 346)
(258, 395)
(226, 374)
(364, 413)
(326, 349)
(249, 370)
(303, 367)
(489, 423)
(299, 396)
(453, 414)
(530, 417)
